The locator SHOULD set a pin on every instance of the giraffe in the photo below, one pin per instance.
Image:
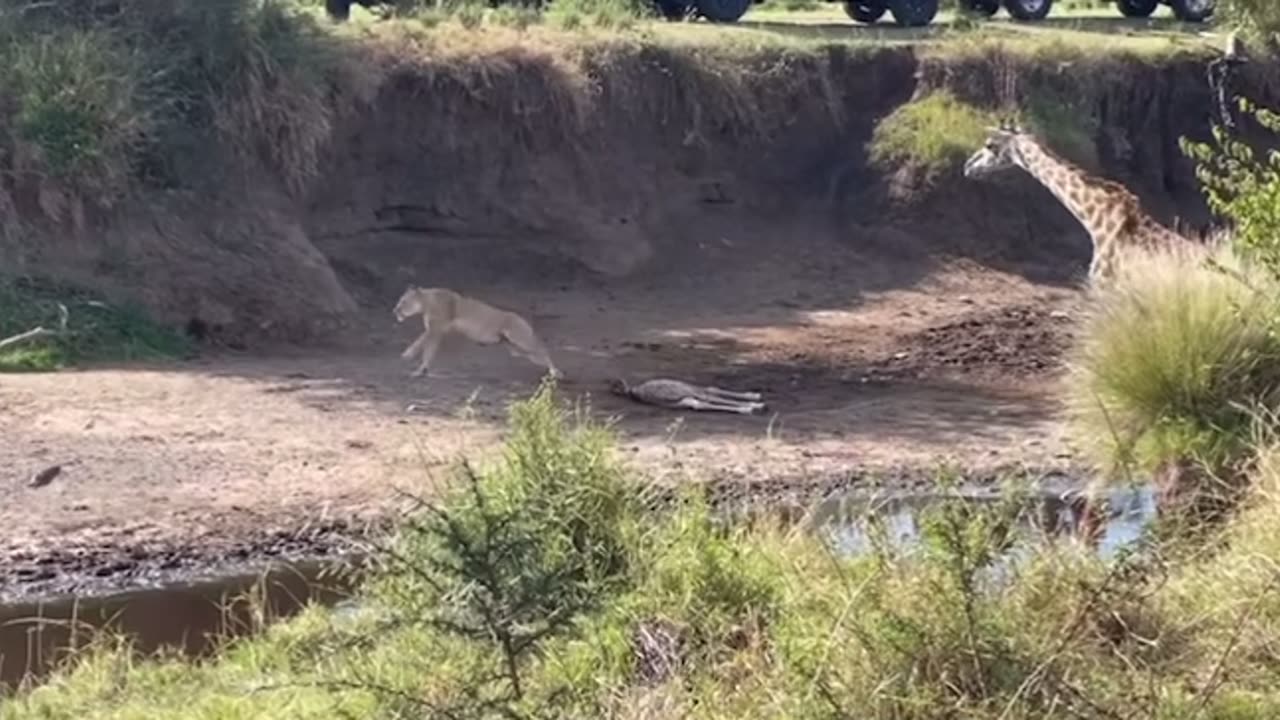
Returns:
(1110, 213)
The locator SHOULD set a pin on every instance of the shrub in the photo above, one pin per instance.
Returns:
(516, 553)
(1172, 361)
(933, 133)
(1259, 18)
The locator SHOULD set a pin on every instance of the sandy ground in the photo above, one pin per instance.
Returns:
(958, 366)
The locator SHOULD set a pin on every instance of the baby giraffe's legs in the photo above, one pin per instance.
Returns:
(719, 406)
(730, 394)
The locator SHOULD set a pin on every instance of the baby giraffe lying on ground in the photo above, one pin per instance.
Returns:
(445, 311)
(664, 392)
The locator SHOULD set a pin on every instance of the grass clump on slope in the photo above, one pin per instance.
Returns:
(94, 330)
(97, 101)
(932, 134)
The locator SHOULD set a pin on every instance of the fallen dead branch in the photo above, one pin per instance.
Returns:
(31, 334)
(39, 331)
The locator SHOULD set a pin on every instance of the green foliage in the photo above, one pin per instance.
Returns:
(95, 331)
(1257, 18)
(1173, 360)
(933, 134)
(1244, 187)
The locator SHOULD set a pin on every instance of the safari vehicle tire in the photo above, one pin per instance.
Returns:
(1137, 8)
(865, 11)
(913, 13)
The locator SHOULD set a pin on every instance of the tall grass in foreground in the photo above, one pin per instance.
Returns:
(539, 587)
(1174, 361)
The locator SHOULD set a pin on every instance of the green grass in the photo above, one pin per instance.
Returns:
(96, 331)
(540, 586)
(933, 134)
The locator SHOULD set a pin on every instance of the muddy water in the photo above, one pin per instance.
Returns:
(190, 617)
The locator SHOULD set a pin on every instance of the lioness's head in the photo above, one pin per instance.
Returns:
(618, 386)
(410, 304)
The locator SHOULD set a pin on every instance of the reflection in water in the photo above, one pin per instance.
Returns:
(191, 617)
(845, 521)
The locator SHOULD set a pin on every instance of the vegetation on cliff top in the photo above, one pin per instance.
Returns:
(96, 105)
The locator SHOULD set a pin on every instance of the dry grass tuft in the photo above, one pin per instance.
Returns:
(1174, 360)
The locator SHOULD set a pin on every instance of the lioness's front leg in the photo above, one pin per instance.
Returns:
(413, 348)
(431, 343)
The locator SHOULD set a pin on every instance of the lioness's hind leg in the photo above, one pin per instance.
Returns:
(522, 337)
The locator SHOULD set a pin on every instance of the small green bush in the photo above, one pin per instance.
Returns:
(517, 553)
(933, 133)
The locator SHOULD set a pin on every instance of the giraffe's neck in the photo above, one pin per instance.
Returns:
(1086, 201)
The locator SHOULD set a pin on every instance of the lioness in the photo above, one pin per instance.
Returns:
(444, 310)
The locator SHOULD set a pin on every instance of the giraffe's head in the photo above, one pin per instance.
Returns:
(1000, 151)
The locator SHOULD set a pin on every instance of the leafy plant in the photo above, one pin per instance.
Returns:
(1244, 187)
(515, 554)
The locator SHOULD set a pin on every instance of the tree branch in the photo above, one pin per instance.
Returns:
(31, 334)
